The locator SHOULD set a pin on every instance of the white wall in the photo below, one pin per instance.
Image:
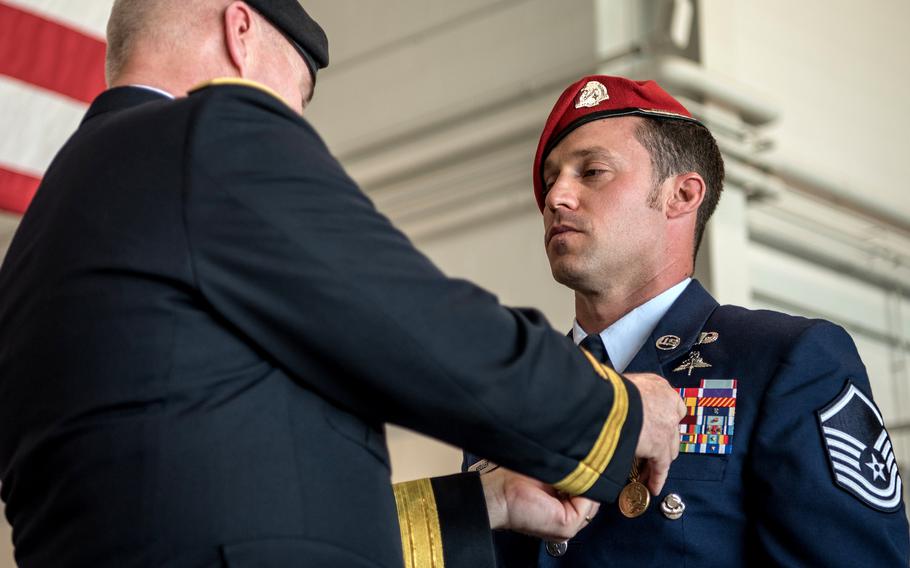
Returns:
(838, 71)
(407, 63)
(8, 224)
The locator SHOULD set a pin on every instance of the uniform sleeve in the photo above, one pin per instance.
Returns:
(800, 512)
(294, 256)
(444, 522)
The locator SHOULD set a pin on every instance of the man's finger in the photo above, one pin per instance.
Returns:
(658, 476)
(592, 511)
(681, 409)
(644, 475)
(584, 507)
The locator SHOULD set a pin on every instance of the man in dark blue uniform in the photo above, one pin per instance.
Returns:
(785, 460)
(204, 324)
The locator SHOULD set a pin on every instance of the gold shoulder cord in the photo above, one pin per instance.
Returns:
(418, 519)
(594, 464)
(237, 81)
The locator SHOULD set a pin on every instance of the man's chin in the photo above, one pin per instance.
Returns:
(567, 275)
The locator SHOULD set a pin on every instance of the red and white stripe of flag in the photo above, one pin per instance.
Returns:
(51, 67)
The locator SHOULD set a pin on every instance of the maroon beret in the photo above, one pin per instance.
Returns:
(595, 97)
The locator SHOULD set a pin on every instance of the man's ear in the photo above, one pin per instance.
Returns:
(687, 194)
(238, 26)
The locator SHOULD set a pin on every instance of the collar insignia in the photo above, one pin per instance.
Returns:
(707, 337)
(668, 342)
(693, 362)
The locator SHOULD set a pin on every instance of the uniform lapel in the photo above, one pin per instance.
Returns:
(685, 320)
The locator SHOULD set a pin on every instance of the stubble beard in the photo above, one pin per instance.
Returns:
(573, 270)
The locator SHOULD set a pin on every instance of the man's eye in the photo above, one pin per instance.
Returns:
(592, 172)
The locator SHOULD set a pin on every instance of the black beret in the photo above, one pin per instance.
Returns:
(292, 20)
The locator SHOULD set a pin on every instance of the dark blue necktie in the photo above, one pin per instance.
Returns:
(595, 345)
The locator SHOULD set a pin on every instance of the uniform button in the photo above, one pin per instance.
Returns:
(672, 506)
(557, 549)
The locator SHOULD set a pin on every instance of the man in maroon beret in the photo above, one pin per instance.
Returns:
(784, 457)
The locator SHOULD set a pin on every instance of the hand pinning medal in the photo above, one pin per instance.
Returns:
(634, 498)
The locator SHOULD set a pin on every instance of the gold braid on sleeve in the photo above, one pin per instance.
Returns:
(418, 519)
(594, 464)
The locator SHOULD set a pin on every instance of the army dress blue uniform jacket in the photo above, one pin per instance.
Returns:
(774, 499)
(204, 324)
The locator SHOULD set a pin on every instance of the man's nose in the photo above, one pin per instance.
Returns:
(562, 194)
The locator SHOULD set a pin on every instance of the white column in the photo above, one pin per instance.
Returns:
(723, 265)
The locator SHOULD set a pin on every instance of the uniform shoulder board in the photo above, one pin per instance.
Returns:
(235, 81)
(859, 451)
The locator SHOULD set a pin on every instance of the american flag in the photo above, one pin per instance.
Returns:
(51, 67)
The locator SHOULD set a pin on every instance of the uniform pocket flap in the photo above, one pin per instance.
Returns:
(699, 467)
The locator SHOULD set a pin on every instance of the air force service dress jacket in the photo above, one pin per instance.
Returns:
(204, 324)
(784, 461)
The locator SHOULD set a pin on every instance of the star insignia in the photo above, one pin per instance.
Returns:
(877, 468)
(693, 362)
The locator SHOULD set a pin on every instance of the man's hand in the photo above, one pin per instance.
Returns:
(531, 507)
(658, 443)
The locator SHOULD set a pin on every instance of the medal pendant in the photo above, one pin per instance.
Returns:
(634, 499)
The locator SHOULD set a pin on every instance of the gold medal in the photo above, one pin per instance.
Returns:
(634, 499)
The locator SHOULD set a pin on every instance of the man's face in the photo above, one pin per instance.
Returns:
(600, 226)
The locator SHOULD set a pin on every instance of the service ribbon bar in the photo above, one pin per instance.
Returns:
(709, 422)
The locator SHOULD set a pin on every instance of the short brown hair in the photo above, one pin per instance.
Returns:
(680, 146)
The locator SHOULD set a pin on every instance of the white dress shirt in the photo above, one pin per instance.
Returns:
(154, 89)
(625, 337)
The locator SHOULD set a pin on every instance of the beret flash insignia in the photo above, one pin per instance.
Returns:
(593, 93)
